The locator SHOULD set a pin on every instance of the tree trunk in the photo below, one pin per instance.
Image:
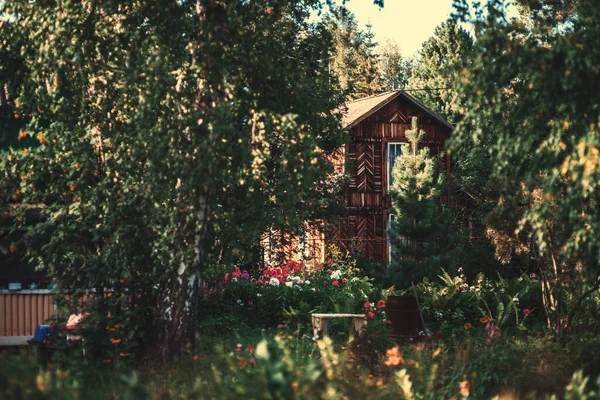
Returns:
(176, 312)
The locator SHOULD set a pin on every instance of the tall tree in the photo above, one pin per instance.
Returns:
(531, 95)
(436, 70)
(353, 61)
(162, 127)
(419, 218)
(394, 70)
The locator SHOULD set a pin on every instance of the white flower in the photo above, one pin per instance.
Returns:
(258, 295)
(337, 274)
(354, 279)
(234, 279)
(239, 301)
(289, 284)
(313, 289)
(274, 282)
(307, 282)
(515, 299)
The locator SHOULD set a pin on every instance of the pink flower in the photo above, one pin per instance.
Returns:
(259, 282)
(370, 315)
(330, 262)
(226, 277)
(344, 280)
(367, 305)
(527, 311)
(381, 304)
(335, 283)
(250, 302)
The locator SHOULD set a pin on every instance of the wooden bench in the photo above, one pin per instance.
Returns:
(319, 323)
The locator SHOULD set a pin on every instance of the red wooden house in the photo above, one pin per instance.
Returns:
(376, 125)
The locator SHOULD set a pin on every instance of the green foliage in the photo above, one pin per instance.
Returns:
(163, 142)
(437, 69)
(419, 245)
(531, 100)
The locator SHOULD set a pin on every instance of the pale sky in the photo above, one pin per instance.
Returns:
(408, 22)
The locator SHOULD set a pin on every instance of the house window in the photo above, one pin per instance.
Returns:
(393, 151)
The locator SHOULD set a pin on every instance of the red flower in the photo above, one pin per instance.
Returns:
(122, 281)
(367, 305)
(250, 302)
(259, 282)
(236, 273)
(436, 335)
(330, 262)
(381, 304)
(226, 277)
(335, 283)
(370, 315)
(527, 311)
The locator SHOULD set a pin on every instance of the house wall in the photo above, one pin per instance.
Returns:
(362, 229)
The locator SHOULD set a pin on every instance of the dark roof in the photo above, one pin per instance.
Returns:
(361, 109)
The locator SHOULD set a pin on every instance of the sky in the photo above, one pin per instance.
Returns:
(408, 22)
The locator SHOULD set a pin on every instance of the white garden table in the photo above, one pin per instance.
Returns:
(319, 323)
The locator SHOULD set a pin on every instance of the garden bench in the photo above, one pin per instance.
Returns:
(319, 323)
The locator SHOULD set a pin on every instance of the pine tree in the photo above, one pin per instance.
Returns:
(419, 218)
(438, 67)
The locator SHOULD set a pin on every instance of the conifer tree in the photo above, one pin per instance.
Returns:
(419, 219)
(437, 69)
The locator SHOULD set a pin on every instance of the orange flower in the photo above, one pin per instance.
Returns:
(118, 326)
(17, 116)
(10, 158)
(72, 188)
(107, 361)
(13, 249)
(196, 357)
(393, 357)
(41, 138)
(468, 325)
(464, 388)
(77, 165)
(484, 320)
(115, 340)
(124, 354)
(250, 348)
(22, 135)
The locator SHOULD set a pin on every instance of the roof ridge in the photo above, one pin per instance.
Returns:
(373, 96)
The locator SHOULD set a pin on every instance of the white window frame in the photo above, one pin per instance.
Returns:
(388, 162)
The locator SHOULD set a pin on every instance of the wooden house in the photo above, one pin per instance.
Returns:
(376, 125)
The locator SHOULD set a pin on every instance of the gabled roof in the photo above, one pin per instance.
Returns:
(361, 109)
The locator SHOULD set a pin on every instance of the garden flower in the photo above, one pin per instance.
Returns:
(259, 282)
(226, 277)
(330, 262)
(236, 273)
(337, 274)
(367, 305)
(289, 284)
(124, 354)
(468, 325)
(436, 335)
(464, 388)
(335, 283)
(527, 311)
(381, 304)
(274, 282)
(370, 315)
(515, 300)
(245, 274)
(307, 282)
(393, 357)
(115, 340)
(484, 320)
